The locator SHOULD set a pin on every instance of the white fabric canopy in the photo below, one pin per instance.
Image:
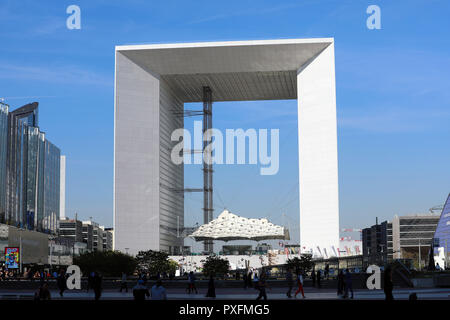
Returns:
(229, 226)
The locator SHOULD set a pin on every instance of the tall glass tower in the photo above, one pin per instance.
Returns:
(3, 151)
(32, 173)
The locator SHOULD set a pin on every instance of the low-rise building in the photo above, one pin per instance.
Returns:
(405, 237)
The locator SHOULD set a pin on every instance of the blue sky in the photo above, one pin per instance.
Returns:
(393, 97)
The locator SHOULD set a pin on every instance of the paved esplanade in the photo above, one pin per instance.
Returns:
(239, 294)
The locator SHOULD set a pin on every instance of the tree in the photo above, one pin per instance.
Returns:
(154, 261)
(215, 265)
(303, 264)
(173, 266)
(109, 263)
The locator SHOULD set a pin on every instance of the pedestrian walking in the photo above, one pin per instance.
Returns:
(144, 278)
(43, 293)
(388, 284)
(61, 282)
(123, 282)
(90, 281)
(290, 283)
(192, 279)
(245, 278)
(211, 288)
(300, 285)
(255, 281)
(140, 291)
(261, 287)
(97, 285)
(313, 278)
(340, 283)
(318, 278)
(348, 284)
(249, 279)
(158, 291)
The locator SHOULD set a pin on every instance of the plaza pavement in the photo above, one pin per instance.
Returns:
(238, 294)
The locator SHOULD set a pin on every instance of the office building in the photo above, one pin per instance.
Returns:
(88, 235)
(96, 238)
(3, 153)
(152, 84)
(29, 171)
(442, 236)
(71, 229)
(377, 243)
(405, 237)
(412, 236)
(93, 234)
(107, 238)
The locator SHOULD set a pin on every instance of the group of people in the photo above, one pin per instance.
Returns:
(43, 293)
(6, 274)
(28, 274)
(141, 292)
(192, 287)
(95, 283)
(157, 292)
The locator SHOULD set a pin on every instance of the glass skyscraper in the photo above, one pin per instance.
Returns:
(32, 172)
(3, 151)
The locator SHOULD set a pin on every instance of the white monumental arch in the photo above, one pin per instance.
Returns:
(152, 84)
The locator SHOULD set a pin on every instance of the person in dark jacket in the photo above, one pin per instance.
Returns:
(388, 285)
(318, 278)
(61, 282)
(348, 283)
(245, 278)
(123, 282)
(43, 293)
(313, 277)
(191, 280)
(262, 287)
(90, 281)
(249, 279)
(327, 271)
(340, 283)
(290, 283)
(97, 285)
(140, 291)
(211, 288)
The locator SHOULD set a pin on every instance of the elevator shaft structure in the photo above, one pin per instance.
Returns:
(207, 165)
